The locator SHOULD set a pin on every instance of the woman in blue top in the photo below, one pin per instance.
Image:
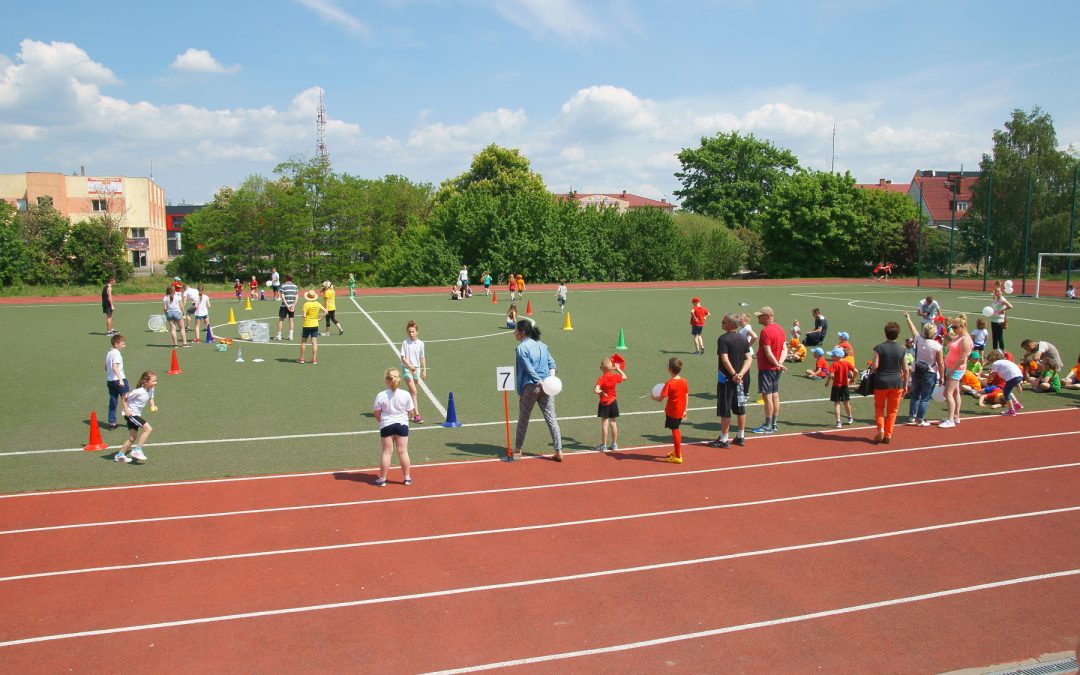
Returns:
(534, 363)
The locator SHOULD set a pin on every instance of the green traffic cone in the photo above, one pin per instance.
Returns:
(622, 341)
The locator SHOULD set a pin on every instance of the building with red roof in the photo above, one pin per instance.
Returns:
(623, 201)
(943, 194)
(884, 185)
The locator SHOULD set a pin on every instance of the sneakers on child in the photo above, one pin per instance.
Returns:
(1018, 406)
(1010, 412)
(299, 360)
(121, 457)
(763, 429)
(418, 419)
(673, 459)
(340, 331)
(601, 448)
(137, 453)
(947, 424)
(839, 424)
(325, 334)
(613, 447)
(408, 480)
(720, 443)
(912, 422)
(740, 441)
(380, 482)
(851, 420)
(923, 423)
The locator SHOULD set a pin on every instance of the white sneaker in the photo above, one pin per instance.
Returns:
(137, 453)
(121, 457)
(947, 424)
(923, 423)
(839, 424)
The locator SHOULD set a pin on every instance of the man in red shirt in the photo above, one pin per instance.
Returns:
(698, 314)
(772, 344)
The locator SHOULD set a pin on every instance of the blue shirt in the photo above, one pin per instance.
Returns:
(534, 363)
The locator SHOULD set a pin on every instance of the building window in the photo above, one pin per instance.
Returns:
(99, 205)
(137, 232)
(21, 205)
(961, 206)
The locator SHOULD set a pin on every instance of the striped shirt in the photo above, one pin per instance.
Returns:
(289, 291)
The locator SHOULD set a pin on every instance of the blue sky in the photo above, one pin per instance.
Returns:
(598, 95)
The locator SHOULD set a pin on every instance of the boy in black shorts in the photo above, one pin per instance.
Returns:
(608, 408)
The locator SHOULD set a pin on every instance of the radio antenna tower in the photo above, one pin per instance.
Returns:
(320, 134)
(832, 155)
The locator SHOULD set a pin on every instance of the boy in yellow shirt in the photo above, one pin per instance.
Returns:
(330, 297)
(312, 311)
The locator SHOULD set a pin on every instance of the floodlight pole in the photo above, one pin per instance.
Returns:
(918, 238)
(1027, 233)
(1072, 227)
(986, 239)
(952, 226)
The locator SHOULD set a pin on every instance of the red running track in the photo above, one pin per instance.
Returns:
(941, 551)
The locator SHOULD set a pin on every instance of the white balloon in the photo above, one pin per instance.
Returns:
(988, 311)
(551, 385)
(658, 389)
(1009, 286)
(939, 393)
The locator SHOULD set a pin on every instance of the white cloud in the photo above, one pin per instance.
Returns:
(329, 11)
(607, 111)
(573, 153)
(500, 126)
(43, 84)
(200, 61)
(562, 18)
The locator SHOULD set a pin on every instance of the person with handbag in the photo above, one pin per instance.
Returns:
(890, 373)
(928, 370)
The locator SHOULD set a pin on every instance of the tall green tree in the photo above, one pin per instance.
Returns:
(731, 176)
(13, 257)
(495, 170)
(1026, 149)
(711, 249)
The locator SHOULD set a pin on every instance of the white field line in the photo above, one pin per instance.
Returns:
(571, 523)
(241, 479)
(530, 488)
(363, 432)
(552, 580)
(394, 348)
(892, 307)
(762, 624)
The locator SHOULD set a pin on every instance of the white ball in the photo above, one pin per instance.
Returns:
(988, 311)
(657, 390)
(939, 394)
(551, 385)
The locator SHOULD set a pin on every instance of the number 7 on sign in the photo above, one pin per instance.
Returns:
(504, 382)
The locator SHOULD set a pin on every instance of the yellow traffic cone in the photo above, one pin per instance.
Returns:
(247, 305)
(566, 325)
(232, 317)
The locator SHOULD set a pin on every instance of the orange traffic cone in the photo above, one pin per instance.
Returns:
(175, 368)
(528, 308)
(493, 295)
(95, 443)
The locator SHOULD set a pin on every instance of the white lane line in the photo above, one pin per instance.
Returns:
(539, 582)
(529, 488)
(857, 303)
(850, 609)
(548, 526)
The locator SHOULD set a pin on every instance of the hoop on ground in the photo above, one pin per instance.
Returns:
(157, 323)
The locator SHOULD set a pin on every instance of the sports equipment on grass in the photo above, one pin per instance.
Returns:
(247, 305)
(567, 325)
(622, 338)
(157, 323)
(1038, 269)
(451, 413)
(551, 385)
(209, 334)
(174, 369)
(232, 317)
(95, 442)
(528, 308)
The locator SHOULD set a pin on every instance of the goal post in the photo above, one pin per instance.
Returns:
(1039, 267)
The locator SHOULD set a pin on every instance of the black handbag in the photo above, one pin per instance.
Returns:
(866, 383)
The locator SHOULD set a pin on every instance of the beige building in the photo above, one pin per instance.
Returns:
(136, 205)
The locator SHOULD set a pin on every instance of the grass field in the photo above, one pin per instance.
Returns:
(221, 418)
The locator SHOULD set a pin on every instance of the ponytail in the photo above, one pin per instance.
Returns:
(393, 378)
(528, 328)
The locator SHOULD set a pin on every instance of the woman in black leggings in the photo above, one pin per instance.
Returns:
(997, 319)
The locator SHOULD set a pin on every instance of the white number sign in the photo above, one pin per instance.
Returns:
(504, 378)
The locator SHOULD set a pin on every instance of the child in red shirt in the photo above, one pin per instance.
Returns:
(676, 391)
(238, 288)
(840, 373)
(608, 408)
(254, 285)
(821, 366)
(698, 314)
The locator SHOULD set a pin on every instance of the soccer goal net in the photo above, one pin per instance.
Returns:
(1055, 264)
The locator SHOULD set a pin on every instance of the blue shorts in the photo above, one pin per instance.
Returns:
(696, 330)
(956, 375)
(312, 332)
(394, 430)
(173, 315)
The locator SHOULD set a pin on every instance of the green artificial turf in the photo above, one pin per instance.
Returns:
(222, 418)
